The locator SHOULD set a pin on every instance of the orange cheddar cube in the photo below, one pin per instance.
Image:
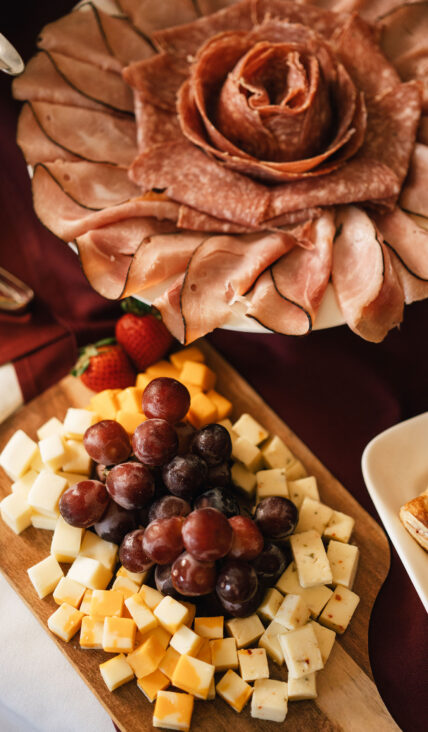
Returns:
(169, 662)
(193, 676)
(146, 658)
(119, 635)
(192, 353)
(209, 627)
(91, 633)
(202, 411)
(130, 399)
(86, 602)
(142, 615)
(130, 420)
(224, 406)
(173, 711)
(105, 403)
(65, 622)
(153, 683)
(116, 672)
(163, 368)
(234, 690)
(162, 636)
(143, 380)
(106, 603)
(198, 374)
(204, 653)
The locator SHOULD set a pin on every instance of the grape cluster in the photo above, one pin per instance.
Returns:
(165, 496)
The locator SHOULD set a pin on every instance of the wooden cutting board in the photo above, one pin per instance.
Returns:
(347, 696)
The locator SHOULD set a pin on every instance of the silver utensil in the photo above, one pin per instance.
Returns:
(15, 295)
(10, 60)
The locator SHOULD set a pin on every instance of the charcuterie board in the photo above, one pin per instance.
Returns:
(347, 696)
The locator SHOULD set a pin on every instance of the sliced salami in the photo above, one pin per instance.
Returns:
(158, 79)
(191, 218)
(414, 196)
(149, 16)
(154, 125)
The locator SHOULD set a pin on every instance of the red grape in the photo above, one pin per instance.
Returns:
(247, 540)
(166, 398)
(162, 540)
(236, 582)
(191, 577)
(185, 433)
(115, 523)
(220, 499)
(84, 503)
(132, 554)
(245, 607)
(219, 476)
(107, 442)
(163, 580)
(276, 517)
(155, 442)
(213, 444)
(131, 485)
(270, 564)
(184, 475)
(168, 506)
(207, 534)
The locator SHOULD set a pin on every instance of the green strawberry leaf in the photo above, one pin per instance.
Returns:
(88, 352)
(134, 306)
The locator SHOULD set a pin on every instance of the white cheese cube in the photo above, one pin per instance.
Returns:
(269, 641)
(66, 541)
(223, 653)
(234, 690)
(65, 622)
(91, 633)
(313, 515)
(298, 489)
(37, 462)
(127, 587)
(52, 452)
(45, 575)
(209, 627)
(151, 597)
(193, 676)
(303, 688)
(293, 612)
(86, 602)
(23, 485)
(71, 478)
(313, 567)
(295, 470)
(171, 614)
(271, 483)
(52, 427)
(45, 493)
(96, 548)
(246, 631)
(141, 614)
(253, 664)
(343, 560)
(325, 638)
(40, 521)
(116, 672)
(185, 640)
(77, 421)
(16, 512)
(269, 700)
(301, 651)
(137, 577)
(17, 454)
(247, 426)
(276, 454)
(90, 573)
(76, 459)
(339, 609)
(270, 605)
(315, 597)
(340, 527)
(243, 479)
(69, 591)
(173, 711)
(247, 453)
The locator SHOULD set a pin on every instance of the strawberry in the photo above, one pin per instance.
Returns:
(104, 365)
(143, 336)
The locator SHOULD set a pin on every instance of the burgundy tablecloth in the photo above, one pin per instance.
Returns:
(335, 390)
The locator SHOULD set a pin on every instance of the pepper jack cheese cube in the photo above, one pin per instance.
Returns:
(45, 493)
(311, 560)
(169, 662)
(340, 527)
(194, 372)
(23, 484)
(325, 638)
(276, 454)
(65, 622)
(45, 575)
(295, 470)
(313, 515)
(171, 614)
(192, 353)
(146, 658)
(185, 640)
(271, 483)
(234, 690)
(173, 711)
(339, 609)
(301, 651)
(270, 605)
(247, 453)
(91, 633)
(303, 688)
(90, 573)
(116, 672)
(253, 664)
(52, 452)
(66, 541)
(76, 458)
(40, 521)
(119, 635)
(16, 512)
(209, 627)
(96, 548)
(223, 405)
(293, 612)
(141, 614)
(106, 603)
(69, 591)
(153, 683)
(315, 597)
(299, 489)
(246, 631)
(269, 641)
(17, 454)
(223, 654)
(193, 676)
(247, 426)
(243, 479)
(343, 560)
(269, 700)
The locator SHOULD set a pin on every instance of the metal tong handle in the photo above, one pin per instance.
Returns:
(14, 294)
(10, 60)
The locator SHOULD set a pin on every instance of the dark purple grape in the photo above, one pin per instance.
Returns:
(155, 442)
(185, 433)
(236, 582)
(276, 517)
(107, 442)
(115, 523)
(184, 475)
(162, 540)
(132, 554)
(220, 499)
(163, 580)
(213, 444)
(207, 534)
(270, 564)
(168, 506)
(247, 539)
(84, 503)
(191, 577)
(131, 485)
(219, 476)
(244, 608)
(166, 398)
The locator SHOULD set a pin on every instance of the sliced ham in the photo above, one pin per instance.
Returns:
(367, 287)
(407, 239)
(221, 269)
(287, 297)
(168, 305)
(152, 15)
(35, 145)
(93, 185)
(158, 79)
(190, 218)
(414, 196)
(122, 38)
(414, 288)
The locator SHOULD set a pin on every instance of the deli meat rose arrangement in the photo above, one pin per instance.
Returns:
(251, 151)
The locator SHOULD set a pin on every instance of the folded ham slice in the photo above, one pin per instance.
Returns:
(93, 185)
(407, 239)
(414, 196)
(36, 146)
(168, 305)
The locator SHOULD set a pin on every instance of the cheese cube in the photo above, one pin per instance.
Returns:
(253, 664)
(343, 560)
(52, 452)
(105, 403)
(243, 479)
(137, 577)
(146, 658)
(295, 470)
(96, 548)
(293, 612)
(71, 478)
(301, 651)
(247, 426)
(192, 353)
(204, 653)
(130, 420)
(76, 458)
(185, 640)
(37, 463)
(86, 602)
(173, 711)
(169, 662)
(23, 484)
(302, 487)
(65, 622)
(194, 372)
(40, 521)
(269, 700)
(339, 609)
(130, 399)
(16, 512)
(90, 573)
(161, 635)
(193, 676)
(271, 483)
(191, 607)
(246, 631)
(119, 635)
(276, 454)
(143, 380)
(315, 597)
(163, 368)
(45, 493)
(340, 527)
(91, 633)
(202, 411)
(66, 541)
(313, 515)
(141, 614)
(247, 453)
(211, 693)
(223, 405)
(17, 454)
(303, 688)
(116, 672)
(106, 603)
(209, 627)
(45, 575)
(270, 604)
(269, 641)
(311, 560)
(69, 591)
(171, 614)
(77, 421)
(126, 586)
(52, 427)
(234, 690)
(153, 683)
(325, 638)
(223, 653)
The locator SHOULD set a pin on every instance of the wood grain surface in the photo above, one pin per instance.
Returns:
(347, 696)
